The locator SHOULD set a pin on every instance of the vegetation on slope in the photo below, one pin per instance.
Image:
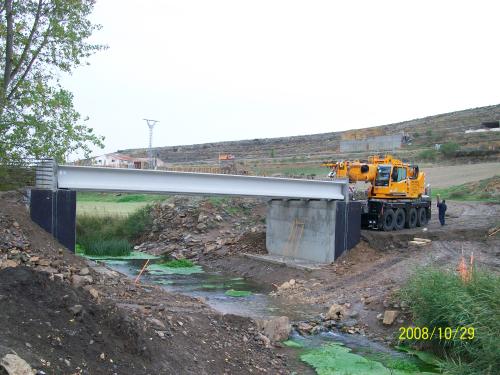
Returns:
(439, 299)
(484, 190)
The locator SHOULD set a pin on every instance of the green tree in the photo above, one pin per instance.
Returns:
(39, 41)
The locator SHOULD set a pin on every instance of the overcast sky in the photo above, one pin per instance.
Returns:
(228, 70)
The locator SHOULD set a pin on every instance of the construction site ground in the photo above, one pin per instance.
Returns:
(95, 320)
(366, 278)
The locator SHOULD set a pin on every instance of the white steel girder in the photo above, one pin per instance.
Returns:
(163, 182)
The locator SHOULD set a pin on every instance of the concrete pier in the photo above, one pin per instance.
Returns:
(316, 230)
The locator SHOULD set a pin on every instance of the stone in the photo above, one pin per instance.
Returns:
(292, 282)
(34, 259)
(390, 316)
(93, 292)
(201, 226)
(76, 309)
(285, 285)
(353, 314)
(12, 364)
(157, 324)
(336, 312)
(15, 224)
(304, 327)
(79, 281)
(218, 218)
(8, 263)
(50, 270)
(276, 329)
(44, 262)
(264, 339)
(84, 271)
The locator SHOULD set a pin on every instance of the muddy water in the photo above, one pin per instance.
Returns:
(212, 287)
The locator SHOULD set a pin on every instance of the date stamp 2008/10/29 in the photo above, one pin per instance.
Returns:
(439, 333)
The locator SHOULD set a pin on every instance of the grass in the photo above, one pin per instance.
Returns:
(112, 204)
(111, 235)
(119, 198)
(487, 190)
(438, 299)
(113, 247)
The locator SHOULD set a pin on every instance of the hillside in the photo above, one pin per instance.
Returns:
(303, 152)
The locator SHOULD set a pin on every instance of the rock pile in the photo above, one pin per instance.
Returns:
(192, 228)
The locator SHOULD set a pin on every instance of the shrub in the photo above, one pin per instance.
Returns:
(427, 155)
(449, 149)
(439, 298)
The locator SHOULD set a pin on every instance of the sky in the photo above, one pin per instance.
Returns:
(231, 69)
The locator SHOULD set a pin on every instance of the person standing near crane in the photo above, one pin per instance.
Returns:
(442, 209)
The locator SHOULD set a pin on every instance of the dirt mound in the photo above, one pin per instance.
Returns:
(65, 329)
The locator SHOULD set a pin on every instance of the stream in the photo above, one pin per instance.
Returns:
(213, 286)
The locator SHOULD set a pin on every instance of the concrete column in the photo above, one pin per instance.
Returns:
(319, 231)
(55, 211)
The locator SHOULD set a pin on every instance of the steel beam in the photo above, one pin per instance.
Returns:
(163, 182)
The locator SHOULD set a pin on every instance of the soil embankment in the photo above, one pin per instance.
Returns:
(65, 315)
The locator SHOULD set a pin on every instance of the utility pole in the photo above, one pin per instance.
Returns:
(151, 124)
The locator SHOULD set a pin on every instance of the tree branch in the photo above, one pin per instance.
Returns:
(29, 42)
(8, 45)
(28, 68)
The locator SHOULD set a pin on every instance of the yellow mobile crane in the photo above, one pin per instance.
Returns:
(397, 197)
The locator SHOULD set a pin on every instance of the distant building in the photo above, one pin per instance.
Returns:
(118, 161)
(378, 143)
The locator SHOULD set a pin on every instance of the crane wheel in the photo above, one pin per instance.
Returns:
(421, 217)
(411, 219)
(388, 220)
(400, 219)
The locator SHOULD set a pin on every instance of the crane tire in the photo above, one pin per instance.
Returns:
(411, 219)
(388, 220)
(421, 217)
(400, 219)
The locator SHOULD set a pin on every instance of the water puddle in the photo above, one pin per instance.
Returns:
(245, 297)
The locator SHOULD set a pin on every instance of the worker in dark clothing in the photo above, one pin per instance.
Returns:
(442, 209)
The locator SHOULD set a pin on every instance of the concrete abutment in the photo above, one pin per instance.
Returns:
(315, 230)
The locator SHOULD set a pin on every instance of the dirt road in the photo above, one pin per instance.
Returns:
(450, 175)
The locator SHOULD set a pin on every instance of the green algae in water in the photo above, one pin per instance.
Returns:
(237, 293)
(212, 286)
(163, 269)
(336, 359)
(179, 263)
(293, 344)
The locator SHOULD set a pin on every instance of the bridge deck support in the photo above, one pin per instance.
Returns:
(319, 231)
(55, 211)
